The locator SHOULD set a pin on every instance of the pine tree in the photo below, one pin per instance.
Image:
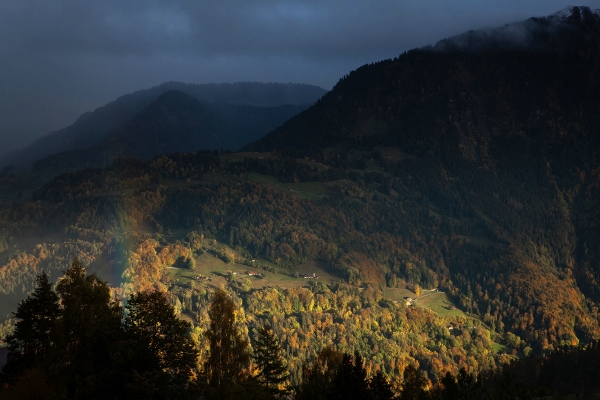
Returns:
(267, 350)
(89, 326)
(350, 381)
(380, 388)
(33, 337)
(318, 378)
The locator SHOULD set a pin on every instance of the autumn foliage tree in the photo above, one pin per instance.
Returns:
(229, 354)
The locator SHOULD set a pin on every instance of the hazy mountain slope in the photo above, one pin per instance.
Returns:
(177, 122)
(92, 127)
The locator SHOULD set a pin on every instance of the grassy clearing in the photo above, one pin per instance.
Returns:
(397, 294)
(313, 164)
(308, 190)
(218, 271)
(434, 300)
(238, 157)
(210, 265)
(500, 348)
(27, 182)
(438, 302)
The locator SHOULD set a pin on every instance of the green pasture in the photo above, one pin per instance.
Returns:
(209, 264)
(438, 302)
(397, 294)
(434, 300)
(500, 348)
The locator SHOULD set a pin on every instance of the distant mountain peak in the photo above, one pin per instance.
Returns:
(575, 15)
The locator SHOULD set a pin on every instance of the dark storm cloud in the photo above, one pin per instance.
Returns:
(62, 58)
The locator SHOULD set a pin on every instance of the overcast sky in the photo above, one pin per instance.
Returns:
(59, 59)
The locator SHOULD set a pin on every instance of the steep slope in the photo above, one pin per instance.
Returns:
(475, 86)
(93, 127)
(498, 130)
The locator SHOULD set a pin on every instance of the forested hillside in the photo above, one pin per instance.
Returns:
(470, 170)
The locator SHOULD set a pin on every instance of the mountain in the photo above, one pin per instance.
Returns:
(468, 170)
(177, 122)
(93, 127)
(468, 88)
(497, 127)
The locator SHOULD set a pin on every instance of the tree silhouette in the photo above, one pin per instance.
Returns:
(161, 339)
(413, 387)
(267, 353)
(229, 353)
(380, 388)
(33, 336)
(350, 381)
(90, 324)
(317, 379)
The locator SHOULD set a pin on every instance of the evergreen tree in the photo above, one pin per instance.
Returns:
(33, 337)
(90, 325)
(380, 387)
(350, 381)
(229, 353)
(267, 353)
(164, 348)
(463, 386)
(318, 378)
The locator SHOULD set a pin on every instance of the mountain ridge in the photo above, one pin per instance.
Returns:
(93, 126)
(320, 130)
(176, 122)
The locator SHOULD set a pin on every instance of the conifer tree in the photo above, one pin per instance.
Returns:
(380, 388)
(89, 326)
(267, 353)
(414, 384)
(318, 377)
(33, 337)
(350, 381)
